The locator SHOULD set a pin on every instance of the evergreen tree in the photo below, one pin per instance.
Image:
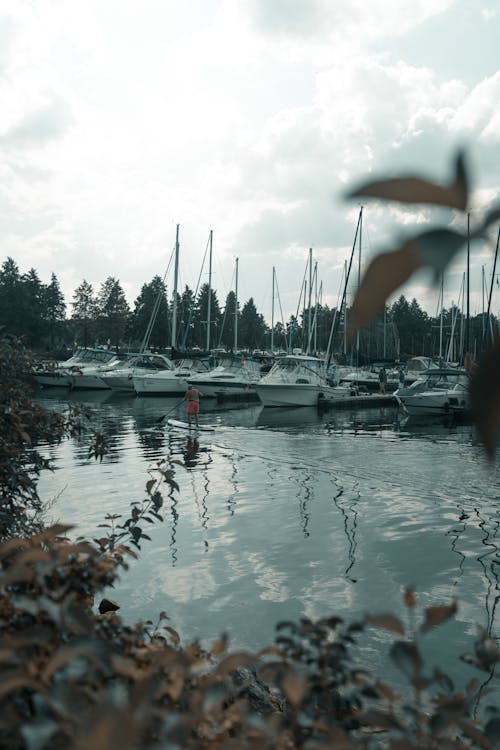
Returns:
(226, 334)
(153, 297)
(113, 312)
(185, 318)
(252, 326)
(54, 306)
(84, 313)
(11, 311)
(32, 307)
(200, 317)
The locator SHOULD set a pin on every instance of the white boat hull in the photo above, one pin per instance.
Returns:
(430, 404)
(53, 380)
(289, 394)
(150, 385)
(80, 382)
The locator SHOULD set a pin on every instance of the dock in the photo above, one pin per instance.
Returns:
(362, 400)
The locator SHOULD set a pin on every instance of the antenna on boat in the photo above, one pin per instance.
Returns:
(209, 301)
(236, 308)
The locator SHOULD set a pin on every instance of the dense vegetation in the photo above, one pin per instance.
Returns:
(39, 313)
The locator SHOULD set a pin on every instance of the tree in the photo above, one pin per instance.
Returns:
(11, 297)
(252, 325)
(84, 312)
(54, 306)
(200, 316)
(226, 334)
(151, 308)
(185, 316)
(113, 311)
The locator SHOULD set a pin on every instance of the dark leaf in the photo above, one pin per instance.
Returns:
(436, 615)
(485, 397)
(386, 622)
(413, 189)
(407, 657)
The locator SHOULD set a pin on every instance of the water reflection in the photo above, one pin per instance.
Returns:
(282, 511)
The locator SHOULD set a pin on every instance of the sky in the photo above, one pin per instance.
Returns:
(122, 119)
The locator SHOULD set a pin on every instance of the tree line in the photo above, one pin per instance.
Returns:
(38, 312)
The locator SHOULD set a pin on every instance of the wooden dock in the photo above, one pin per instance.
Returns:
(362, 400)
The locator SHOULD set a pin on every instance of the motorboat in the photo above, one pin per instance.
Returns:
(299, 380)
(86, 375)
(170, 381)
(442, 391)
(60, 374)
(119, 377)
(233, 377)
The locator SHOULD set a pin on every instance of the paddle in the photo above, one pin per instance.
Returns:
(160, 420)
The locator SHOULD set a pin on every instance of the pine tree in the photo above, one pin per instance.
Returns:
(11, 310)
(252, 326)
(84, 313)
(113, 312)
(54, 306)
(153, 297)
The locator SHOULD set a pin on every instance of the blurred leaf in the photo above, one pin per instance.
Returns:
(436, 615)
(413, 189)
(37, 733)
(407, 657)
(383, 276)
(409, 597)
(485, 397)
(294, 687)
(386, 622)
(219, 646)
(234, 661)
(174, 634)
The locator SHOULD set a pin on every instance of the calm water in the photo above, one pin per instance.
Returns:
(287, 513)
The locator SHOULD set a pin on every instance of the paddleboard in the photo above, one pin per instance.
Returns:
(186, 426)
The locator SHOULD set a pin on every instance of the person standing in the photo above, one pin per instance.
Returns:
(192, 396)
(401, 377)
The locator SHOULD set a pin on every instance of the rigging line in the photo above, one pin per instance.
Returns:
(156, 307)
(225, 309)
(190, 313)
(281, 309)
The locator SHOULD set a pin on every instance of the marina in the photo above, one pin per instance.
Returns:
(291, 512)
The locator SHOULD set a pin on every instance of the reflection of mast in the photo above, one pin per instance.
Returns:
(349, 532)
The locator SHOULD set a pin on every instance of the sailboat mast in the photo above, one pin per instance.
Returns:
(309, 304)
(272, 314)
(176, 277)
(467, 327)
(209, 300)
(441, 319)
(236, 309)
(491, 285)
(359, 275)
(316, 308)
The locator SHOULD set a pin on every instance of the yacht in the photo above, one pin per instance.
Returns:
(119, 377)
(170, 381)
(298, 380)
(87, 373)
(234, 377)
(52, 374)
(441, 391)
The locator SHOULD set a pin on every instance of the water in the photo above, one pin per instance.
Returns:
(284, 513)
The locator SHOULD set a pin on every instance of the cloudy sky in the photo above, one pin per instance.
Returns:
(123, 118)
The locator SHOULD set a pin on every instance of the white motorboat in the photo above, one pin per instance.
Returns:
(298, 380)
(57, 374)
(442, 391)
(170, 381)
(87, 374)
(235, 377)
(119, 377)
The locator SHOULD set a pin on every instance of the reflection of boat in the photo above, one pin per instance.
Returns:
(235, 377)
(442, 391)
(298, 380)
(119, 377)
(289, 417)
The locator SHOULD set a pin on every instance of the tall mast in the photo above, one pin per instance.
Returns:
(359, 275)
(441, 318)
(491, 286)
(272, 314)
(209, 301)
(467, 327)
(176, 276)
(309, 305)
(236, 309)
(316, 307)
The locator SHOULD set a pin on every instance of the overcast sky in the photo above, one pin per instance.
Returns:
(123, 118)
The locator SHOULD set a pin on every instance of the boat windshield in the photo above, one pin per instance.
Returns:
(292, 363)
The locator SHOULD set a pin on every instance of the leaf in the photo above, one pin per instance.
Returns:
(437, 247)
(234, 661)
(409, 597)
(412, 189)
(407, 657)
(485, 398)
(219, 646)
(436, 615)
(294, 687)
(386, 622)
(174, 634)
(149, 485)
(383, 276)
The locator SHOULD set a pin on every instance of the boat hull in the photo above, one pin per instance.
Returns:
(274, 394)
(155, 386)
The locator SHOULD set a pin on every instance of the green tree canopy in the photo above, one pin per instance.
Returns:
(151, 312)
(252, 326)
(113, 312)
